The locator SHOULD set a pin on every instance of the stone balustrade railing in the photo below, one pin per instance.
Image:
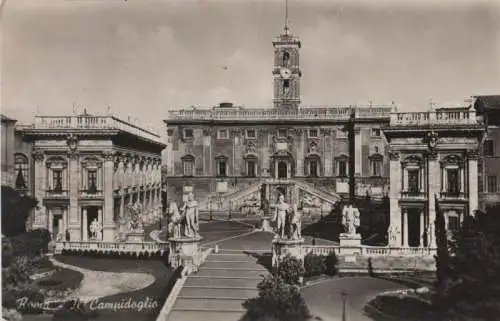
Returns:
(456, 116)
(309, 113)
(129, 247)
(93, 122)
(372, 250)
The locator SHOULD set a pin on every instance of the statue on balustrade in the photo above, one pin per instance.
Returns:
(280, 216)
(174, 227)
(350, 219)
(190, 213)
(392, 233)
(295, 224)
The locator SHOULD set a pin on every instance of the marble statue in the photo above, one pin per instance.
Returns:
(295, 227)
(94, 228)
(392, 233)
(174, 228)
(350, 219)
(191, 220)
(280, 215)
(135, 223)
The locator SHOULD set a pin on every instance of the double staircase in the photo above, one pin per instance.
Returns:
(217, 291)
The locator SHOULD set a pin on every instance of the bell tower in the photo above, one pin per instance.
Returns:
(286, 70)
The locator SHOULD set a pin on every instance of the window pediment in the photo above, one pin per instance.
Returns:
(412, 160)
(452, 160)
(376, 156)
(221, 157)
(187, 158)
(341, 156)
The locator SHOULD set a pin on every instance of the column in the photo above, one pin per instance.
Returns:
(462, 179)
(275, 169)
(39, 189)
(405, 180)
(64, 222)
(394, 194)
(85, 226)
(404, 227)
(422, 228)
(357, 147)
(136, 171)
(106, 214)
(433, 178)
(74, 171)
(422, 179)
(51, 225)
(473, 181)
(445, 179)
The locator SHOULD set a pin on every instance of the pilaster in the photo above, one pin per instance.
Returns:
(327, 153)
(472, 156)
(358, 165)
(299, 170)
(394, 194)
(433, 179)
(40, 220)
(107, 220)
(74, 170)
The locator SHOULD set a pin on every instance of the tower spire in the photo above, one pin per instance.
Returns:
(286, 17)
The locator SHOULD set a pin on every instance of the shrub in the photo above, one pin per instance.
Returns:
(31, 243)
(314, 264)
(11, 315)
(331, 262)
(277, 301)
(7, 251)
(23, 298)
(290, 270)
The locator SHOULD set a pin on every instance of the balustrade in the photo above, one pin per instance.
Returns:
(93, 122)
(461, 116)
(326, 113)
(372, 250)
(135, 247)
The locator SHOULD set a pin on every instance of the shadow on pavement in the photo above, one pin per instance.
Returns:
(264, 259)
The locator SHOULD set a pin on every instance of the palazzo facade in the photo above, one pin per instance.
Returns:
(88, 168)
(434, 167)
(233, 157)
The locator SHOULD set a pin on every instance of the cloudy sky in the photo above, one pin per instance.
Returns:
(145, 57)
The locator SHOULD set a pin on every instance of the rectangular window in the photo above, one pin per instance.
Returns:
(188, 168)
(251, 168)
(282, 133)
(341, 167)
(488, 148)
(453, 223)
(251, 133)
(221, 168)
(92, 181)
(313, 168)
(492, 184)
(453, 186)
(376, 167)
(413, 181)
(57, 180)
(313, 133)
(376, 132)
(222, 134)
(188, 133)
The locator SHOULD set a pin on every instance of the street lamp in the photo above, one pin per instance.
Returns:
(343, 294)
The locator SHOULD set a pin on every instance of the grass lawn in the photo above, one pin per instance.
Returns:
(62, 279)
(409, 307)
(117, 307)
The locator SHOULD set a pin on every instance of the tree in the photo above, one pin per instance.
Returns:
(442, 253)
(16, 209)
(471, 288)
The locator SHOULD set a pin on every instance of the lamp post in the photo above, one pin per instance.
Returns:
(343, 294)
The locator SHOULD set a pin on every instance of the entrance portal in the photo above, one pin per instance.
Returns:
(92, 213)
(282, 170)
(57, 226)
(414, 232)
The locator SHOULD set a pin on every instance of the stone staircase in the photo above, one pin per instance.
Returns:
(217, 291)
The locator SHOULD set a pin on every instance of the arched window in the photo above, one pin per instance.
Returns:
(188, 165)
(286, 58)
(22, 171)
(341, 166)
(313, 166)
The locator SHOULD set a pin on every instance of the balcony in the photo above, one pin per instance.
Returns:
(309, 113)
(88, 193)
(453, 196)
(413, 196)
(93, 123)
(57, 193)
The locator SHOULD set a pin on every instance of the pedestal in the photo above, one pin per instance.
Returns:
(350, 244)
(135, 237)
(185, 252)
(284, 247)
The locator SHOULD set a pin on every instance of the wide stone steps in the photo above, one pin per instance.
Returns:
(237, 292)
(220, 287)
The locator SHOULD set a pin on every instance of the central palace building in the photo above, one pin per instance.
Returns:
(237, 159)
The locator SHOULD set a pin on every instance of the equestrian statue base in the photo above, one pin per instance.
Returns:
(185, 251)
(135, 237)
(350, 243)
(284, 247)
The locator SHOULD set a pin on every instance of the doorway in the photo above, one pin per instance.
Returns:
(414, 230)
(92, 213)
(282, 170)
(57, 226)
